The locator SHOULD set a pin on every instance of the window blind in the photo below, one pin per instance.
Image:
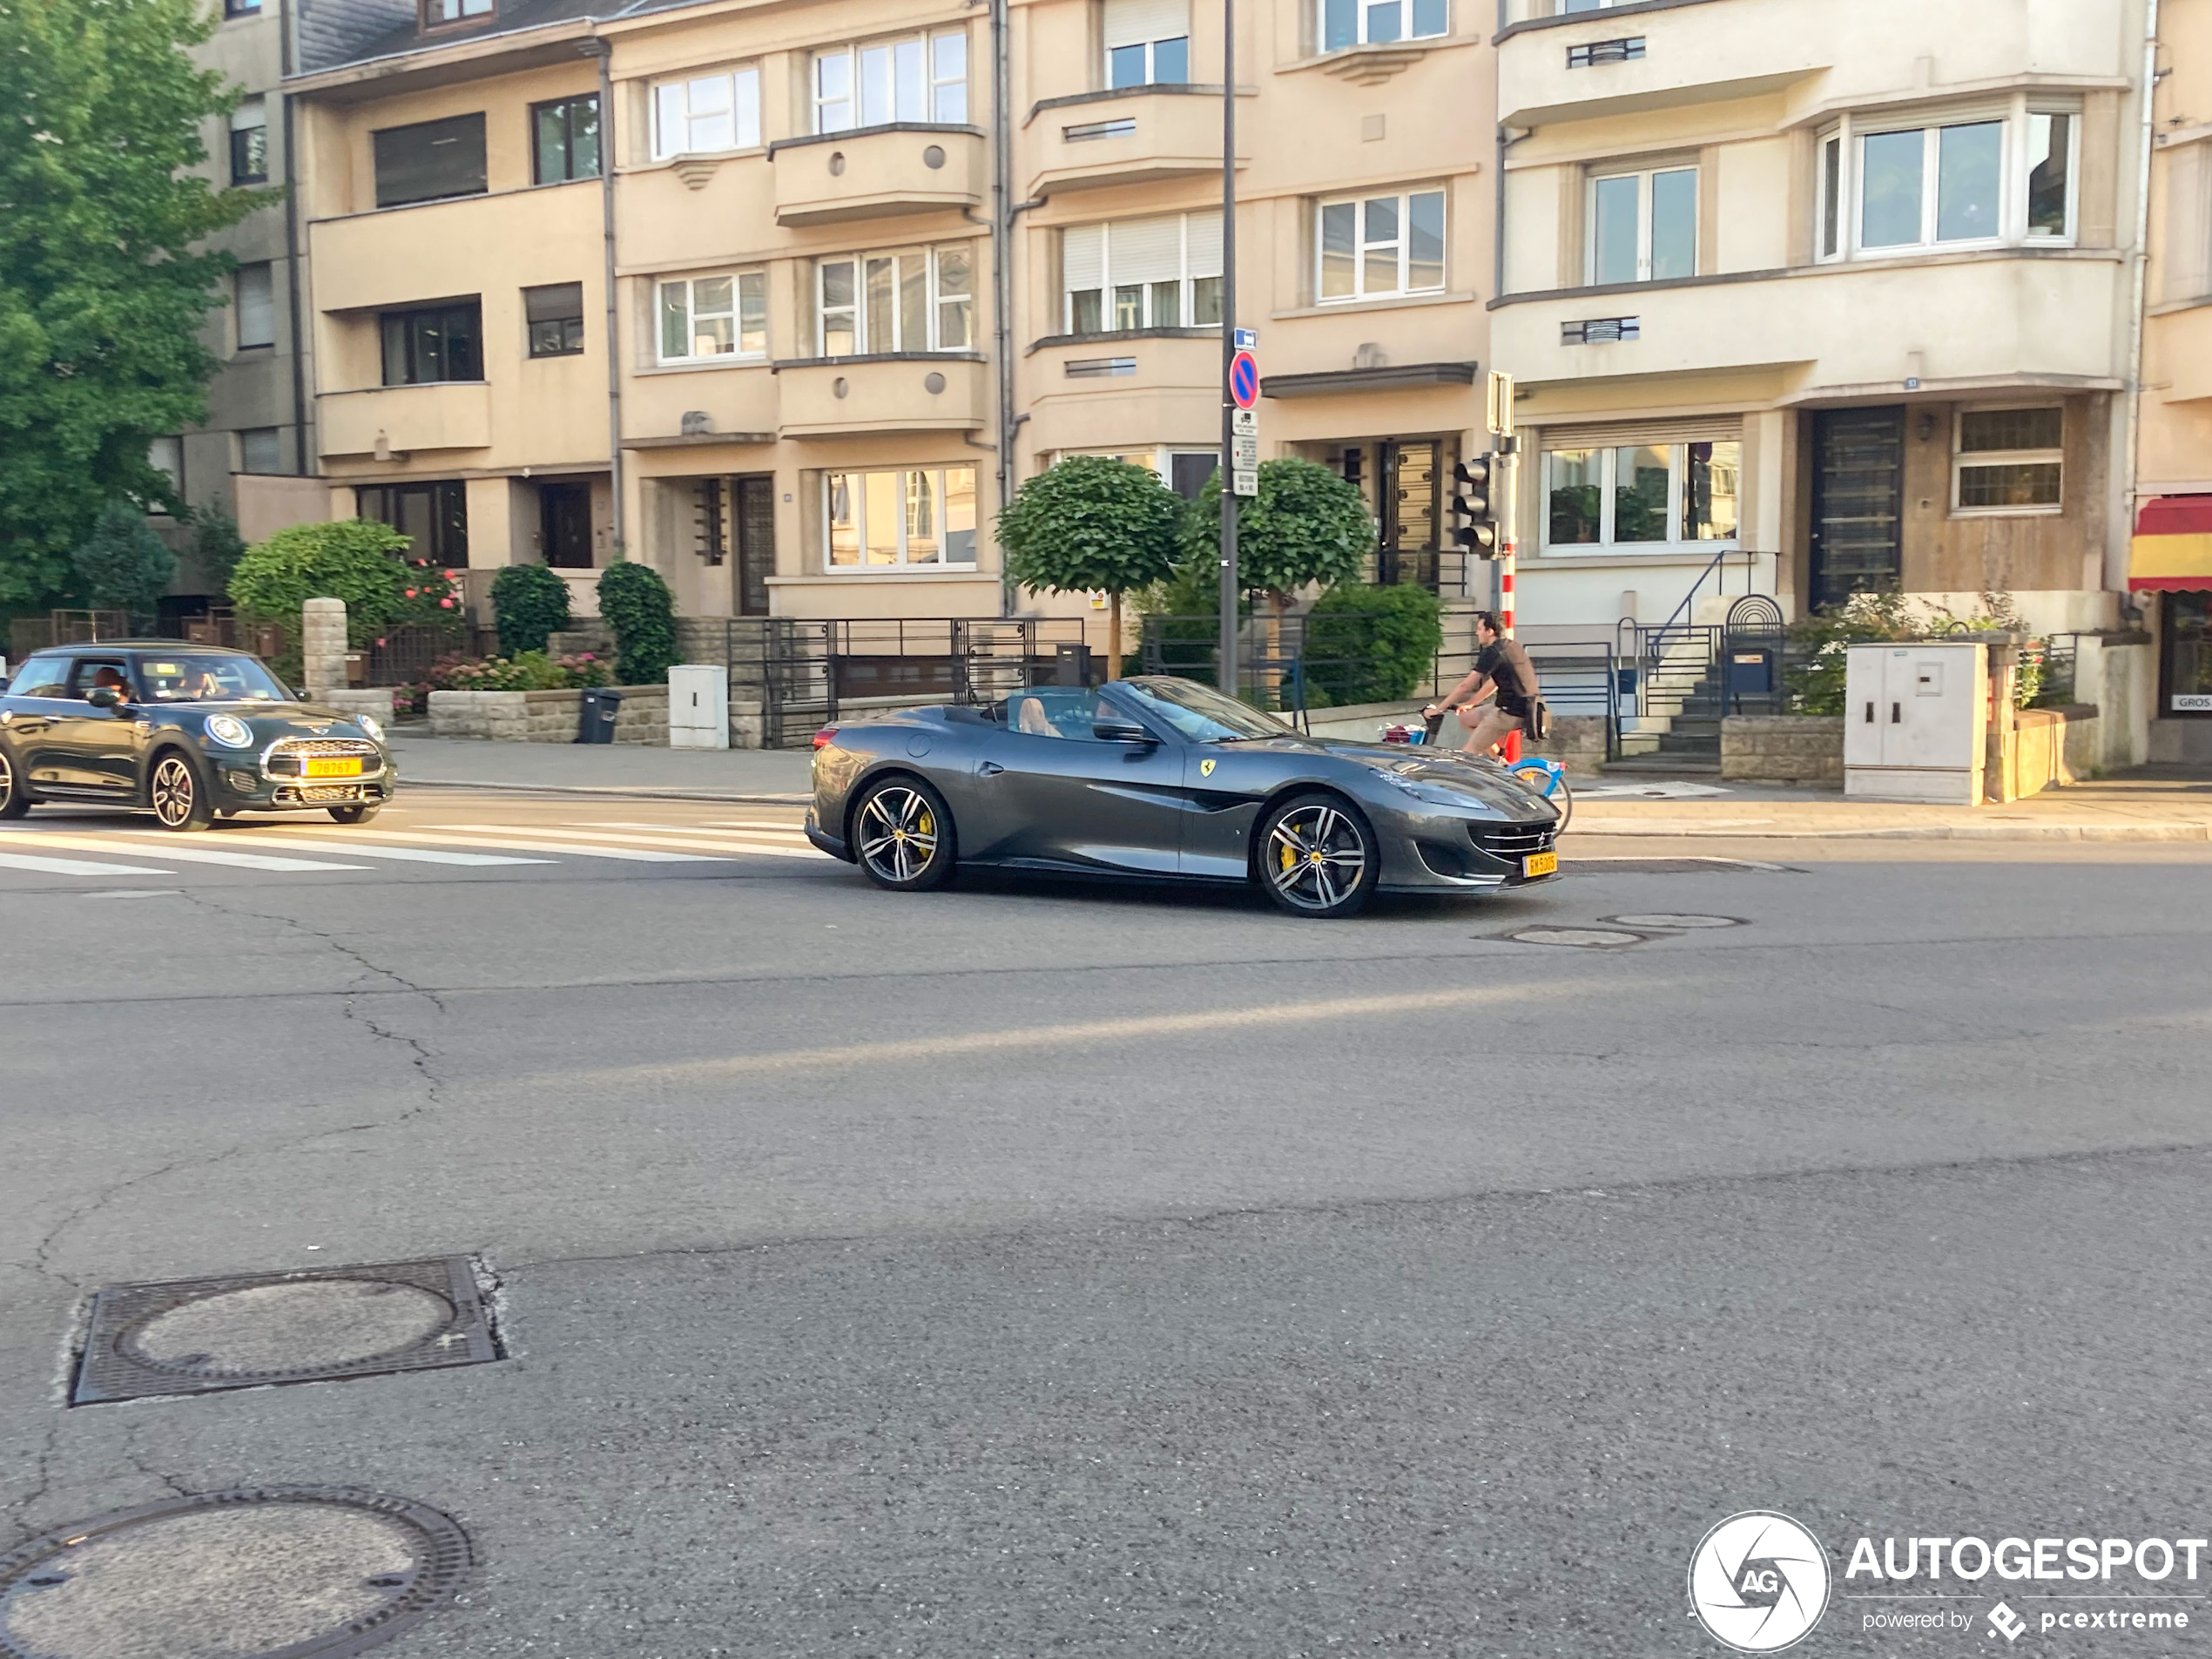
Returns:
(1132, 23)
(1205, 244)
(1146, 250)
(1082, 257)
(1710, 429)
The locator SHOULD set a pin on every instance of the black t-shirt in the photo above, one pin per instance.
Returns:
(1503, 662)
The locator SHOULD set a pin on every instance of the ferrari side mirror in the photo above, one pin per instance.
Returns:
(1120, 732)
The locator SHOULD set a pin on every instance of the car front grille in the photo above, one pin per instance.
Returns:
(1516, 840)
(286, 755)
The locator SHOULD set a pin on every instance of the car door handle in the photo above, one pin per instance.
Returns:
(989, 769)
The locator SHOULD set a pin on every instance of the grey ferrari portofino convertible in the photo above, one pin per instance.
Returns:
(1165, 780)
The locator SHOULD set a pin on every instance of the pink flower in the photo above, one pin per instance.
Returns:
(446, 604)
(410, 593)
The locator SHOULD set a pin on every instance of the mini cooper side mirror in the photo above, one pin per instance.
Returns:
(104, 696)
(1120, 732)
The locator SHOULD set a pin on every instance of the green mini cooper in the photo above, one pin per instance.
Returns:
(186, 731)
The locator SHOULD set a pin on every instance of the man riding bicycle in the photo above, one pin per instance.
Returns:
(1503, 674)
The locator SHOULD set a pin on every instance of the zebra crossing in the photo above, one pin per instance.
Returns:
(42, 852)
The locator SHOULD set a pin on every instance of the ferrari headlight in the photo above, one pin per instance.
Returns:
(367, 723)
(229, 730)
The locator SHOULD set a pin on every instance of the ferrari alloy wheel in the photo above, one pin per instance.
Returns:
(181, 798)
(13, 802)
(1316, 858)
(904, 835)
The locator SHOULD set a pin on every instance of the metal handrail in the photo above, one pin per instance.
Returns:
(1700, 582)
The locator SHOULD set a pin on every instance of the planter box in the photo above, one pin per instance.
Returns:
(1782, 748)
(545, 717)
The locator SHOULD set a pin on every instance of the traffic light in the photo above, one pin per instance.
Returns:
(1470, 521)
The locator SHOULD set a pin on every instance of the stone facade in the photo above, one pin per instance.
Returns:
(545, 717)
(1782, 749)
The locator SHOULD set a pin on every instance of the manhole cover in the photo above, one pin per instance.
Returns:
(1669, 920)
(1593, 938)
(192, 1335)
(262, 1572)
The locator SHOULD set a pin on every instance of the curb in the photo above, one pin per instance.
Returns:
(642, 791)
(1927, 833)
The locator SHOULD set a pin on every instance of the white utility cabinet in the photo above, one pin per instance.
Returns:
(698, 707)
(1916, 718)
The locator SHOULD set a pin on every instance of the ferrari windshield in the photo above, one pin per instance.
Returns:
(1201, 713)
(206, 677)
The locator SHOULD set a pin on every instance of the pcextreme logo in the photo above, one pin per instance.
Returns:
(1758, 1581)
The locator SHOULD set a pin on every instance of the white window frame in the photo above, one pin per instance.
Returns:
(751, 282)
(1962, 459)
(1365, 13)
(1677, 481)
(938, 297)
(857, 496)
(674, 105)
(1186, 282)
(1850, 133)
(1645, 223)
(239, 280)
(1360, 245)
(934, 84)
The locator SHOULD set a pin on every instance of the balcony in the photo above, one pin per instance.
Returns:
(878, 173)
(1835, 330)
(909, 392)
(387, 422)
(1671, 53)
(1136, 135)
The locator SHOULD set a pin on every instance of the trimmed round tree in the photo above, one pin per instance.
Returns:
(1306, 526)
(528, 602)
(1092, 523)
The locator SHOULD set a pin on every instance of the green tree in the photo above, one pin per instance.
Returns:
(218, 547)
(636, 604)
(103, 287)
(358, 560)
(123, 565)
(1366, 643)
(528, 602)
(1092, 523)
(1306, 525)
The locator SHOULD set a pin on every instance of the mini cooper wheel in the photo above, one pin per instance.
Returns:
(1317, 857)
(13, 802)
(360, 812)
(178, 794)
(904, 835)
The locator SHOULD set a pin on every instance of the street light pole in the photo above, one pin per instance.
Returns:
(1229, 594)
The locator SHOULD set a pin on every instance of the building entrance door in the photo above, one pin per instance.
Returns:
(564, 525)
(1412, 476)
(1857, 502)
(754, 505)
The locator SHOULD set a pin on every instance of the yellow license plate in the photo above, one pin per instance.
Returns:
(1540, 864)
(349, 767)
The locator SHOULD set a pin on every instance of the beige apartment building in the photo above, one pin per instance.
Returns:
(1806, 299)
(861, 286)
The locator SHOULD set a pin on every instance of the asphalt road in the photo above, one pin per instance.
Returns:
(1045, 1269)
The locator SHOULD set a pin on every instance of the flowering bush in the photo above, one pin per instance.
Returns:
(526, 671)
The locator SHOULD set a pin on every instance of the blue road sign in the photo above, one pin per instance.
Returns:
(1243, 339)
(1243, 380)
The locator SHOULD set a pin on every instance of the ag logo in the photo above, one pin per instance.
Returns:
(1758, 1581)
(1205, 768)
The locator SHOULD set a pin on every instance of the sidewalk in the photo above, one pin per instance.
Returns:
(778, 776)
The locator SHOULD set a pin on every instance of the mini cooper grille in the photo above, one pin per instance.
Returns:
(1516, 840)
(285, 757)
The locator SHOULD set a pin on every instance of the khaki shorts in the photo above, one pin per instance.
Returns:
(1490, 727)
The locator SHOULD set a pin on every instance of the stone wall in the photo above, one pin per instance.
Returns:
(2052, 747)
(1782, 748)
(545, 717)
(1577, 742)
(377, 702)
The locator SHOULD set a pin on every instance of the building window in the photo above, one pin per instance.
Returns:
(258, 450)
(922, 77)
(1148, 43)
(253, 297)
(554, 316)
(2007, 460)
(1161, 272)
(434, 516)
(1184, 471)
(1642, 496)
(430, 160)
(1643, 226)
(707, 113)
(439, 14)
(250, 143)
(910, 518)
(166, 456)
(565, 139)
(1368, 23)
(703, 317)
(1375, 245)
(433, 343)
(909, 300)
(1886, 190)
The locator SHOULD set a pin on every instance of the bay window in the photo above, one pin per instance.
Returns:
(706, 113)
(905, 299)
(1643, 226)
(905, 517)
(1163, 271)
(2007, 460)
(1990, 175)
(1641, 498)
(703, 318)
(1373, 246)
(1373, 22)
(922, 77)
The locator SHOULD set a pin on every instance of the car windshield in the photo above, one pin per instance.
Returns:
(1201, 713)
(206, 677)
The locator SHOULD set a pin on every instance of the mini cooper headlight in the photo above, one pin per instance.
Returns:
(229, 730)
(367, 723)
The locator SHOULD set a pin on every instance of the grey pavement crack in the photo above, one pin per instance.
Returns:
(42, 1483)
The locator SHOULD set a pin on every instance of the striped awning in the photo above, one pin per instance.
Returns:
(2173, 546)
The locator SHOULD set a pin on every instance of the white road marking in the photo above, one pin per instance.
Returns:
(360, 849)
(722, 844)
(73, 867)
(527, 842)
(186, 855)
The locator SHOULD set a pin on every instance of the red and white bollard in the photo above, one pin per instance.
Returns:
(1511, 746)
